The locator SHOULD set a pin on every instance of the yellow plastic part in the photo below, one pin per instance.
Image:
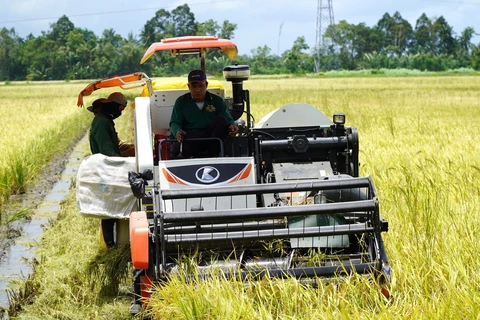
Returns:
(102, 243)
(172, 84)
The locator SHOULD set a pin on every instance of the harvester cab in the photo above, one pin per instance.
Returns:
(283, 199)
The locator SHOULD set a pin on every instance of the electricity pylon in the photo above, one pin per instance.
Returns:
(324, 20)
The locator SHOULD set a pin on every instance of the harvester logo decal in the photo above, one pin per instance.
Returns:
(204, 174)
(207, 174)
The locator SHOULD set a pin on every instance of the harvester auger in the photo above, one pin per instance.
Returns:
(284, 199)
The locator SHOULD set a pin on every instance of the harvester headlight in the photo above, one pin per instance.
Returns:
(339, 118)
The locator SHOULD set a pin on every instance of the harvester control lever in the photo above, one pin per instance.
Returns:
(181, 135)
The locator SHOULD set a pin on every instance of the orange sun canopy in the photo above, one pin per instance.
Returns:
(191, 44)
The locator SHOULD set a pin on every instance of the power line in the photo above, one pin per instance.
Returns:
(114, 12)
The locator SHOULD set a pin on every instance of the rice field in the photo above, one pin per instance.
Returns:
(38, 122)
(419, 142)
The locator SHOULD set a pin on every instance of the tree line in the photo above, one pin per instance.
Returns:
(68, 52)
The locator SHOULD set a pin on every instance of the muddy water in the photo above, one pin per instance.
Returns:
(15, 264)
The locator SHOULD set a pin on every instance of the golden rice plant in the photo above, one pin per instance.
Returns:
(39, 122)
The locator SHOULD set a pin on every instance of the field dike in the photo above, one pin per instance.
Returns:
(20, 238)
(22, 268)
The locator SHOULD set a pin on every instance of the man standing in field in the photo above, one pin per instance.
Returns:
(103, 136)
(200, 114)
(104, 140)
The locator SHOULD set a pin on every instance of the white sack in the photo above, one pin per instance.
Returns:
(103, 190)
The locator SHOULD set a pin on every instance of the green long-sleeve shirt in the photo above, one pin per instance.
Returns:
(187, 116)
(103, 137)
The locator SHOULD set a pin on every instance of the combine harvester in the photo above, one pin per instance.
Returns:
(284, 199)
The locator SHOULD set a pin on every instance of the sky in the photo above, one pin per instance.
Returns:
(274, 23)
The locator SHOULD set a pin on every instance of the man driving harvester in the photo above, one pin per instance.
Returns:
(200, 114)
